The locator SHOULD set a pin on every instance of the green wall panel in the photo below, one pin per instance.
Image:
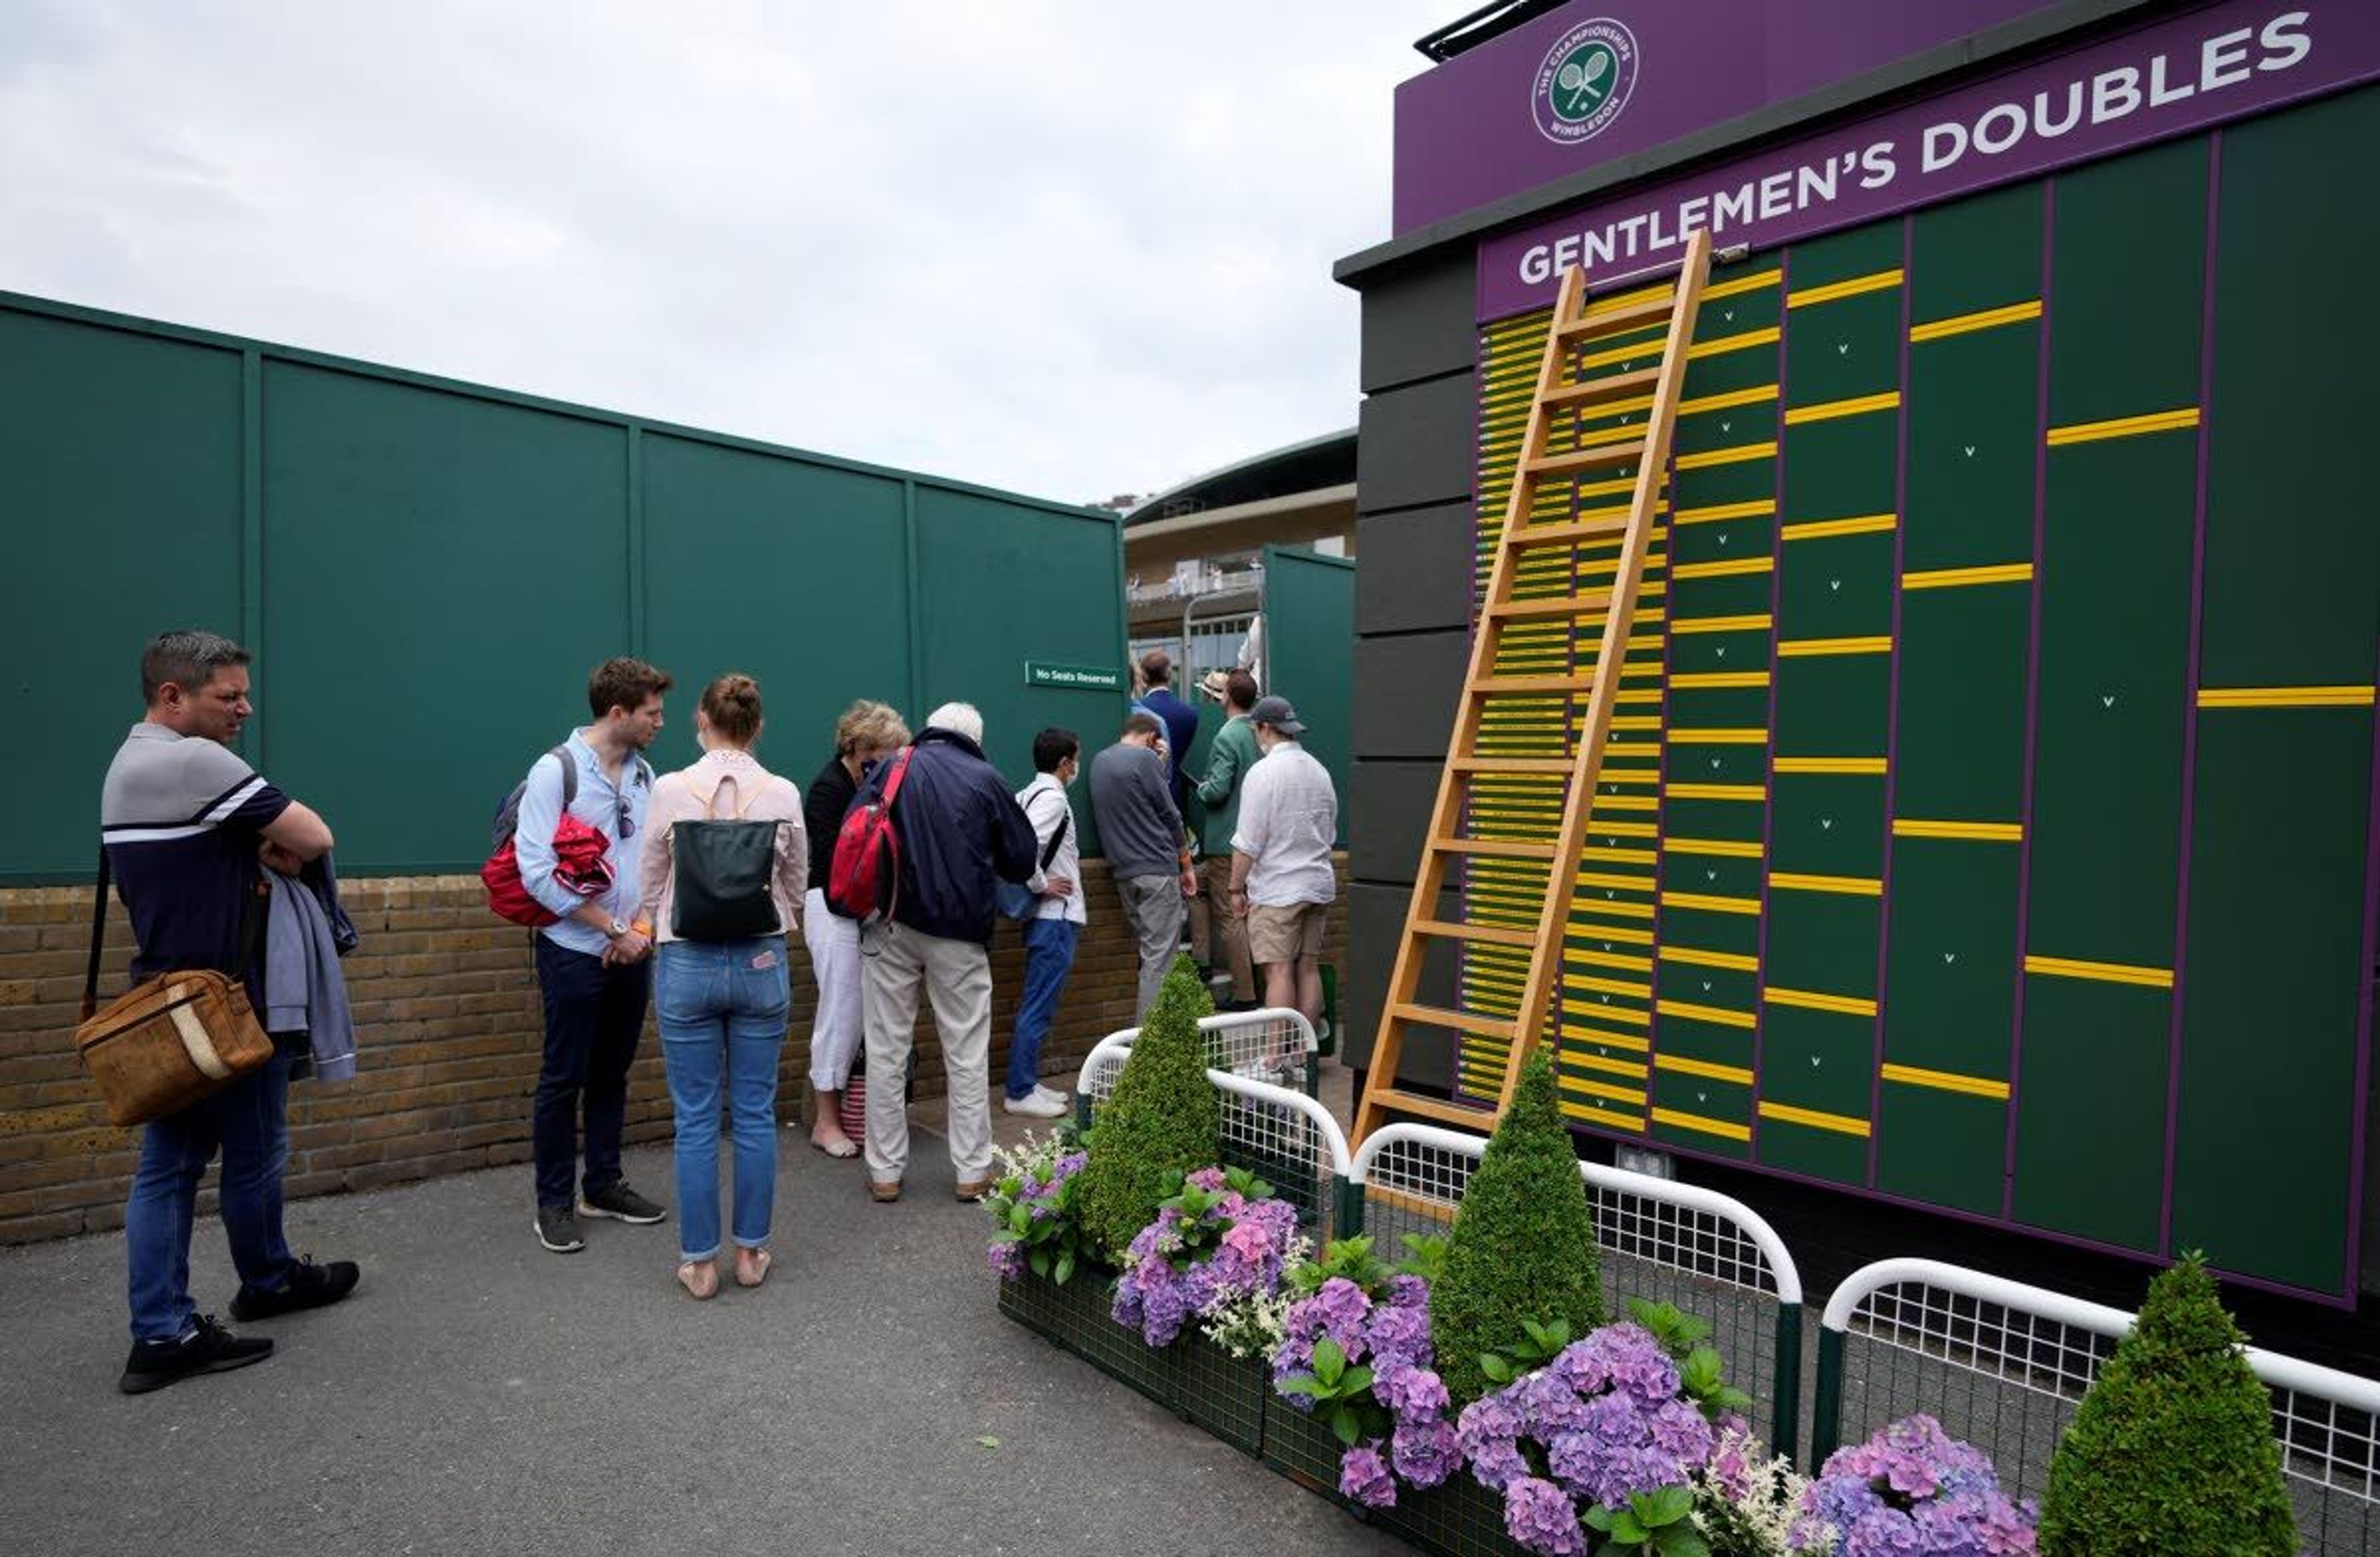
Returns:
(1836, 586)
(1828, 825)
(1833, 705)
(122, 500)
(2128, 284)
(2091, 1081)
(1950, 980)
(1982, 253)
(1309, 601)
(1844, 349)
(1960, 747)
(1822, 943)
(1942, 1147)
(1842, 467)
(1974, 446)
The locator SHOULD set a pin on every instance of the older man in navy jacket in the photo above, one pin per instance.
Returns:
(959, 829)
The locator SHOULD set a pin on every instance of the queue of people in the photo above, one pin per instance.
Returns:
(701, 876)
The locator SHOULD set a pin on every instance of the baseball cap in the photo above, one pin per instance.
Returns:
(1277, 713)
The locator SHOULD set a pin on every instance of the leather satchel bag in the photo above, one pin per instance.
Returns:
(723, 873)
(171, 1040)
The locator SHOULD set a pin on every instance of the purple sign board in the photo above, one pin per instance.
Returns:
(1602, 78)
(2183, 74)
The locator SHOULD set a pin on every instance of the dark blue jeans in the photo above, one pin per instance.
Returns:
(248, 1122)
(593, 1016)
(1048, 958)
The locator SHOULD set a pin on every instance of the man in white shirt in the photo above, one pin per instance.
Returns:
(1056, 924)
(1283, 881)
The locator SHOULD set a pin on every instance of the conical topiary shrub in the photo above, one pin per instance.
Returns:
(1164, 1116)
(1523, 1241)
(2171, 1452)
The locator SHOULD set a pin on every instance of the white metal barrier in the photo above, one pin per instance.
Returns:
(2003, 1364)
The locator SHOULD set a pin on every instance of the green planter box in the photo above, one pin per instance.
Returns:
(1192, 1377)
(1460, 1519)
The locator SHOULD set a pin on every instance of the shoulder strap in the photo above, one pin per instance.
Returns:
(98, 938)
(569, 773)
(893, 780)
(1057, 838)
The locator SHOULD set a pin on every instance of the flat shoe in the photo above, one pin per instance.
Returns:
(761, 1260)
(885, 1193)
(700, 1279)
(842, 1150)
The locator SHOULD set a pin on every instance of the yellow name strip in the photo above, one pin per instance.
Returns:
(1700, 1126)
(1727, 569)
(1615, 1040)
(1842, 1125)
(1748, 906)
(1728, 401)
(2286, 697)
(1726, 511)
(1828, 411)
(1737, 286)
(1731, 961)
(2103, 972)
(1819, 529)
(1846, 886)
(1721, 624)
(1955, 578)
(1722, 849)
(1851, 288)
(1807, 648)
(1867, 765)
(1713, 1014)
(1629, 1068)
(1717, 738)
(1943, 1081)
(1753, 792)
(1720, 345)
(1707, 679)
(2122, 427)
(1736, 456)
(1611, 1118)
(1710, 1068)
(1610, 959)
(1810, 1000)
(1961, 324)
(1971, 832)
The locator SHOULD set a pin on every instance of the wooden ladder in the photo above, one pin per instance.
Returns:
(1646, 449)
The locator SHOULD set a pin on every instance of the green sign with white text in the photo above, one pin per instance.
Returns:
(1087, 678)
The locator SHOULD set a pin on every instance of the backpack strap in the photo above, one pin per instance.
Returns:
(98, 939)
(569, 773)
(1058, 837)
(892, 779)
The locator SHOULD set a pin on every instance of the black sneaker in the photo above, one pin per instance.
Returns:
(309, 1286)
(557, 1229)
(208, 1348)
(619, 1202)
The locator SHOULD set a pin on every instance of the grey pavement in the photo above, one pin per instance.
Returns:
(480, 1394)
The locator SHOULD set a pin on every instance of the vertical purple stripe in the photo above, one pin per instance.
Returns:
(2358, 1104)
(1768, 754)
(2190, 695)
(1661, 785)
(1480, 364)
(2031, 688)
(1892, 698)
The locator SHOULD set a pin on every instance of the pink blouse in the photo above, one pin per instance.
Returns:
(741, 788)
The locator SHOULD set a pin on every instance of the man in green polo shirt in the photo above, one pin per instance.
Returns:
(1228, 761)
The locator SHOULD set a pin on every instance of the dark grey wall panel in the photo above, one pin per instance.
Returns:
(1417, 322)
(1405, 692)
(1388, 811)
(1416, 571)
(1413, 445)
(1376, 918)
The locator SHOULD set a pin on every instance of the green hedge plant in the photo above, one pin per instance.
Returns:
(1523, 1248)
(1163, 1119)
(2171, 1451)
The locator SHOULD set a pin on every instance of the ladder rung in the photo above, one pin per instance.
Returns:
(1620, 319)
(1493, 935)
(1459, 1021)
(1557, 605)
(1585, 459)
(1616, 387)
(1560, 765)
(1498, 848)
(1554, 535)
(1499, 684)
(1395, 1101)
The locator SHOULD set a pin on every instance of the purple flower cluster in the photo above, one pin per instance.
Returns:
(1611, 1423)
(1038, 1190)
(1390, 1337)
(1912, 1491)
(1157, 1298)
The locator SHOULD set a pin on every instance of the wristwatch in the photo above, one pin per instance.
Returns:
(615, 930)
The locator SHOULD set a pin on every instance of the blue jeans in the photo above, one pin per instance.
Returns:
(249, 1120)
(1048, 958)
(722, 1006)
(594, 1014)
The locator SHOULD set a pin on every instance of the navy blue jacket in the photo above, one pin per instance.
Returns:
(959, 827)
(1180, 734)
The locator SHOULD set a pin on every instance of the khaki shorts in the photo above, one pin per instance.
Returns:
(1285, 934)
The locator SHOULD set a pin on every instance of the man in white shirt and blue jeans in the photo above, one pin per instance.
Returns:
(1282, 880)
(1057, 924)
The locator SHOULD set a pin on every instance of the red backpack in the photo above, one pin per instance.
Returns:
(864, 880)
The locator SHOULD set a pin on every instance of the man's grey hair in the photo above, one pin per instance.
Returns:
(188, 659)
(959, 719)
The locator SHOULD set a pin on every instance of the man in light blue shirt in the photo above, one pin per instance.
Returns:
(591, 962)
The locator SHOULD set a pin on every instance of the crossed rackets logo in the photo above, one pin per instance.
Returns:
(1584, 80)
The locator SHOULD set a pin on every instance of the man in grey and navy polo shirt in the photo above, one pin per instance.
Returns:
(187, 827)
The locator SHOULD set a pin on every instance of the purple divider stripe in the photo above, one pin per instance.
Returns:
(2364, 1016)
(2032, 685)
(1892, 695)
(1768, 752)
(2190, 692)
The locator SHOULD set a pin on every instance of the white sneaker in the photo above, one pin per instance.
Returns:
(1040, 1102)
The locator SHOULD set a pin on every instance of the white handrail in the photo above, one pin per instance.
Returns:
(2276, 1370)
(1687, 1197)
(1223, 1020)
(1281, 1097)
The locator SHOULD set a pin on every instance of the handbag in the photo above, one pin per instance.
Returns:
(173, 1039)
(1010, 897)
(722, 870)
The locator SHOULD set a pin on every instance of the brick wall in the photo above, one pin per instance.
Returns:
(446, 1007)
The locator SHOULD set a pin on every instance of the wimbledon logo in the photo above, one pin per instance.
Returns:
(1584, 81)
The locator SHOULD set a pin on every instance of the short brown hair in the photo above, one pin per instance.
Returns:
(869, 724)
(1144, 724)
(732, 704)
(1240, 689)
(623, 683)
(1157, 667)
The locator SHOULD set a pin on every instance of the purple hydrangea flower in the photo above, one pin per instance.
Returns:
(1364, 1475)
(1538, 1515)
(1408, 1292)
(1008, 1262)
(1416, 1394)
(1425, 1452)
(1912, 1489)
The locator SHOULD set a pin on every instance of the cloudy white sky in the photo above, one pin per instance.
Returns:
(1073, 248)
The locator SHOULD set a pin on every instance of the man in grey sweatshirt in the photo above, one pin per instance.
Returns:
(1132, 802)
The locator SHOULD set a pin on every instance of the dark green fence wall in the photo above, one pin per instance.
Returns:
(428, 570)
(1309, 616)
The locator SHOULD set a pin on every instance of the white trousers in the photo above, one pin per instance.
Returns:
(956, 977)
(834, 962)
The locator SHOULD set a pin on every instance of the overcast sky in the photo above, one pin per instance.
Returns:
(1069, 249)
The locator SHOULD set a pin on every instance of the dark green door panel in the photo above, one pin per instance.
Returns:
(2090, 1132)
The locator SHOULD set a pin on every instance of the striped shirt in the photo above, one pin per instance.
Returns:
(180, 816)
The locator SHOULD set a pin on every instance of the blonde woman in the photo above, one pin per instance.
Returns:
(866, 733)
(726, 855)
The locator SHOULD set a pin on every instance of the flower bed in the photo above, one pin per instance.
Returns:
(1192, 1376)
